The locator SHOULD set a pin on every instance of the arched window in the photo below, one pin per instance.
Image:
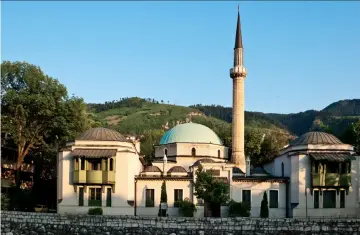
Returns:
(111, 164)
(165, 151)
(282, 169)
(193, 152)
(106, 164)
(219, 153)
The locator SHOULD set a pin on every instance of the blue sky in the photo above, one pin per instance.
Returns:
(299, 55)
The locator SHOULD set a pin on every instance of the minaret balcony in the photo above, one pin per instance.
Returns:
(93, 177)
(238, 71)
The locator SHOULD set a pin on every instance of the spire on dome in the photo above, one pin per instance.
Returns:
(238, 39)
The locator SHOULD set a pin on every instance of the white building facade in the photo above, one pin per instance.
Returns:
(315, 175)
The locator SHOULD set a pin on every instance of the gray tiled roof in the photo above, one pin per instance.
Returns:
(102, 134)
(237, 170)
(152, 169)
(334, 157)
(259, 170)
(316, 138)
(204, 160)
(177, 169)
(94, 153)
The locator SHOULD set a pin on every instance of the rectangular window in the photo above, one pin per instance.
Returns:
(274, 199)
(316, 199)
(329, 199)
(82, 164)
(95, 164)
(178, 195)
(76, 165)
(342, 199)
(332, 167)
(81, 196)
(108, 197)
(150, 198)
(95, 197)
(316, 167)
(246, 197)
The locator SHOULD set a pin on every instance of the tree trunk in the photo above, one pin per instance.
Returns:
(18, 177)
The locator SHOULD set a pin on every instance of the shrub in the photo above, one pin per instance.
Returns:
(163, 196)
(264, 210)
(95, 211)
(5, 202)
(186, 208)
(239, 209)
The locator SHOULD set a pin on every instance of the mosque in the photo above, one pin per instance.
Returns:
(315, 175)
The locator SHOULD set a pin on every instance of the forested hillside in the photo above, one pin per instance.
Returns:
(148, 119)
(334, 118)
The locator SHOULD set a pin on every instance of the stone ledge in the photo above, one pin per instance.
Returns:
(39, 223)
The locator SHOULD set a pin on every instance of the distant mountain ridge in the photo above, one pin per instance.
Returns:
(136, 115)
(334, 118)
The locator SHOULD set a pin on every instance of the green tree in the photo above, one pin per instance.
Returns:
(36, 108)
(209, 189)
(264, 210)
(352, 135)
(163, 197)
(253, 140)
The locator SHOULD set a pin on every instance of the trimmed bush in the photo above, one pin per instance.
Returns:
(239, 209)
(95, 211)
(264, 210)
(186, 208)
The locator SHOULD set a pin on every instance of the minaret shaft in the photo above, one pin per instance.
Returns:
(238, 120)
(238, 74)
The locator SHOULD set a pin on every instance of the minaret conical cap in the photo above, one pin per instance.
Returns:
(238, 39)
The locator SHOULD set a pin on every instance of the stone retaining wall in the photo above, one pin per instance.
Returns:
(40, 223)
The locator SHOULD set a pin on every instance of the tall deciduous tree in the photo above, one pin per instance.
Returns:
(210, 189)
(36, 107)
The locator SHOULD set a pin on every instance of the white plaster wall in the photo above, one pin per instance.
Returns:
(294, 178)
(142, 185)
(257, 193)
(209, 150)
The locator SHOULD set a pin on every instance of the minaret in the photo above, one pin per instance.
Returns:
(238, 74)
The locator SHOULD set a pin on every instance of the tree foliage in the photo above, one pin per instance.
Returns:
(210, 189)
(352, 135)
(253, 140)
(186, 208)
(264, 209)
(5, 202)
(239, 209)
(36, 108)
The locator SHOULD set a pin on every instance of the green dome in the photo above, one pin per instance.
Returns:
(190, 133)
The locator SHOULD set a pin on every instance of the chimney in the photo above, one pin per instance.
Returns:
(248, 166)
